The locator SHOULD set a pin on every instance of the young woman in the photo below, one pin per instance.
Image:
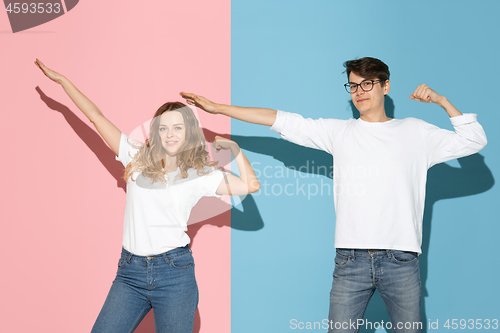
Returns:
(165, 177)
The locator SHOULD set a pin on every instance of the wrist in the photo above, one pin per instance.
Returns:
(442, 102)
(235, 149)
(62, 80)
(220, 108)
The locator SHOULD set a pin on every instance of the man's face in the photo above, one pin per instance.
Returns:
(369, 101)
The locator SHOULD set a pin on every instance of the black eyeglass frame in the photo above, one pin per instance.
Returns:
(347, 86)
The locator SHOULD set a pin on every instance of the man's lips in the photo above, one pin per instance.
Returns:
(362, 100)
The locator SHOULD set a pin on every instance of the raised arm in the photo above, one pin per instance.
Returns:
(232, 185)
(444, 145)
(109, 132)
(259, 116)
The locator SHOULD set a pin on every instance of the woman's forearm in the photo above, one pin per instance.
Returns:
(89, 109)
(247, 174)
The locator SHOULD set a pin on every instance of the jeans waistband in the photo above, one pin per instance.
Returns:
(369, 252)
(165, 255)
(364, 252)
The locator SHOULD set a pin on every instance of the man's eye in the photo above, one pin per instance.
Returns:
(367, 84)
(353, 86)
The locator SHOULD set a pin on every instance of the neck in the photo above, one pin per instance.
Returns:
(375, 117)
(170, 162)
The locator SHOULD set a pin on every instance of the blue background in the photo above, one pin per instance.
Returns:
(288, 55)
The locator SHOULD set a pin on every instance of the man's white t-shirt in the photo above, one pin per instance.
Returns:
(380, 172)
(156, 214)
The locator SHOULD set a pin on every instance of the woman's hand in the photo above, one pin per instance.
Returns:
(54, 76)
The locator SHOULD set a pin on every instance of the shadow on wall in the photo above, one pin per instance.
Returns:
(224, 216)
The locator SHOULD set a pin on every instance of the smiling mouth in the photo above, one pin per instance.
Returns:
(171, 143)
(362, 100)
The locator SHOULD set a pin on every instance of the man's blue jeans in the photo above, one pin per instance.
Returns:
(395, 274)
(164, 283)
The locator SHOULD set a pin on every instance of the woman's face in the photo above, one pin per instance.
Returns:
(172, 132)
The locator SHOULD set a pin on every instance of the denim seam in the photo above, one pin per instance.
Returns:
(366, 304)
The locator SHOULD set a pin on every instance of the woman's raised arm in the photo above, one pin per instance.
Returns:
(247, 182)
(109, 132)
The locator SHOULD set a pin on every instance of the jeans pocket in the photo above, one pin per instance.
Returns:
(341, 260)
(404, 257)
(183, 261)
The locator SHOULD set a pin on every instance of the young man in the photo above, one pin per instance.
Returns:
(378, 231)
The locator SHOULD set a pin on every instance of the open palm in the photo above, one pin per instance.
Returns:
(54, 76)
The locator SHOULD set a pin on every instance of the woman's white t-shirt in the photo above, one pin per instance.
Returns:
(156, 214)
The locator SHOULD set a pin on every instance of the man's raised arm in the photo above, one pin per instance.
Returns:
(259, 116)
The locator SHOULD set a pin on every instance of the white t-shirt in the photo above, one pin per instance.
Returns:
(380, 172)
(156, 214)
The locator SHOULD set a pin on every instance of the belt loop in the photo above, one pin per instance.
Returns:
(352, 254)
(389, 254)
(164, 255)
(129, 257)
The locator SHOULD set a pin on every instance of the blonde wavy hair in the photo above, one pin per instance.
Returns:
(192, 154)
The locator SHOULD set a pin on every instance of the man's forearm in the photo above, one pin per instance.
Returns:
(259, 116)
(449, 108)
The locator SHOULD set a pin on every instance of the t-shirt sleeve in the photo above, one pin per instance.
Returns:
(126, 151)
(313, 133)
(444, 145)
(211, 183)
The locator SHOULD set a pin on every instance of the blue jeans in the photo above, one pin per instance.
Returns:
(395, 274)
(164, 283)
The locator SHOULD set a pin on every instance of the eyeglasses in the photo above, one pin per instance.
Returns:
(365, 85)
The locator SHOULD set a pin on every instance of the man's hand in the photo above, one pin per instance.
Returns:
(426, 95)
(200, 102)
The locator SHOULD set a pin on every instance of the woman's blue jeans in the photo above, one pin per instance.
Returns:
(395, 274)
(164, 283)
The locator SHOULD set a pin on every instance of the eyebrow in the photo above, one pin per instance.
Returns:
(174, 124)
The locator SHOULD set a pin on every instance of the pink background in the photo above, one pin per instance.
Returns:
(62, 205)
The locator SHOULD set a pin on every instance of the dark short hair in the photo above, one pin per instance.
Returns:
(369, 68)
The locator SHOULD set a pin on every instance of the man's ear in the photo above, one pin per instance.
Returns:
(387, 87)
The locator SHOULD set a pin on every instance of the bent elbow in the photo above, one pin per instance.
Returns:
(481, 143)
(484, 143)
(254, 187)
